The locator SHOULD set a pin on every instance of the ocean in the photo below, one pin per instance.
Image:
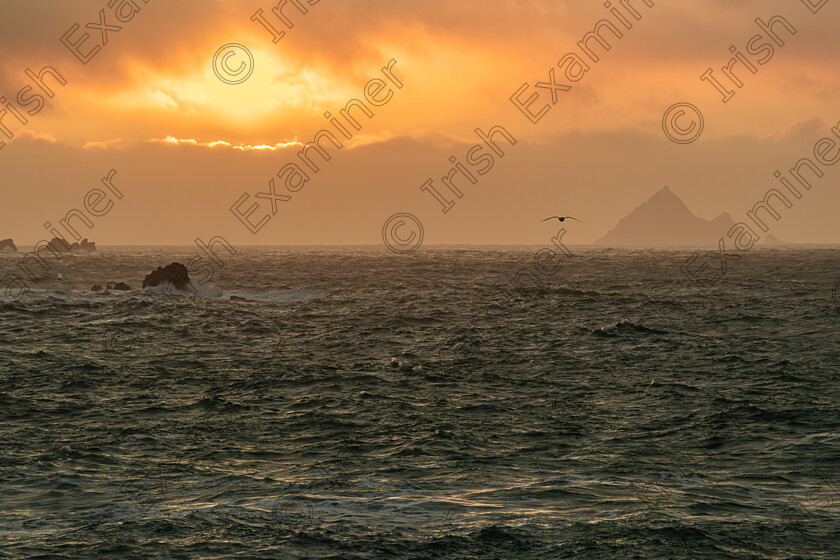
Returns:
(350, 403)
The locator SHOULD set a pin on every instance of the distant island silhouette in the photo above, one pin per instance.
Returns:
(8, 246)
(60, 245)
(665, 221)
(57, 245)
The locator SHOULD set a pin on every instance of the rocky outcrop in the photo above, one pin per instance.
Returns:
(111, 286)
(174, 274)
(85, 246)
(60, 245)
(7, 246)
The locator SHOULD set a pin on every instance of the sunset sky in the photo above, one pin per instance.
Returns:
(186, 146)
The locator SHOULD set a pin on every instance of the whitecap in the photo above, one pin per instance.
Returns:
(278, 296)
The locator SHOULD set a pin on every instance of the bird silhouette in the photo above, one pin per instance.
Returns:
(562, 218)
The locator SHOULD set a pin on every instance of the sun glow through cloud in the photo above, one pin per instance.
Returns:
(216, 143)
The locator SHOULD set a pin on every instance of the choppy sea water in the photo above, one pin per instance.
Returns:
(617, 412)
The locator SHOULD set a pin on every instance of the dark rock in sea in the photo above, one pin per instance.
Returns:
(237, 298)
(60, 245)
(111, 286)
(7, 246)
(85, 245)
(175, 274)
(56, 245)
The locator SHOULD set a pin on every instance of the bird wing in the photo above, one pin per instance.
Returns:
(552, 218)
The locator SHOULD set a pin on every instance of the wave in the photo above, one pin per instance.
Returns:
(150, 295)
(532, 291)
(279, 296)
(623, 325)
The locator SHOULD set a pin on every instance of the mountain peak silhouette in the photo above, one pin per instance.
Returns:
(664, 220)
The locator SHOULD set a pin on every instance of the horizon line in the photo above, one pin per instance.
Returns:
(445, 245)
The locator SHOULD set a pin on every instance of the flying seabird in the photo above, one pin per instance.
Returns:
(562, 218)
